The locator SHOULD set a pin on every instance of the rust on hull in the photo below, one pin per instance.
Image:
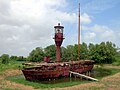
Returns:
(44, 71)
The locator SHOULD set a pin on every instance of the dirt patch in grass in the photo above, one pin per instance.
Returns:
(11, 72)
(112, 82)
(17, 86)
(111, 66)
(88, 86)
(112, 78)
(107, 83)
(7, 84)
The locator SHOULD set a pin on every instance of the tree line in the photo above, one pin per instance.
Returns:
(104, 52)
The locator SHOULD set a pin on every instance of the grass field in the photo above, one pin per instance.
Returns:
(108, 76)
(11, 65)
(100, 73)
(117, 62)
(41, 85)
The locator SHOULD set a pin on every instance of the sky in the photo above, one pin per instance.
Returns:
(27, 24)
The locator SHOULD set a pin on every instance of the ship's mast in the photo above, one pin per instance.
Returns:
(79, 32)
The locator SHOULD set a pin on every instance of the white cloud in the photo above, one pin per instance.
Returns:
(27, 24)
(89, 37)
(108, 35)
(100, 28)
(6, 5)
(100, 33)
(67, 17)
(96, 28)
(85, 18)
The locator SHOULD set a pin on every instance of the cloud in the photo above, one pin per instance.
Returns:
(27, 24)
(85, 18)
(108, 35)
(89, 37)
(99, 33)
(96, 28)
(6, 5)
(100, 28)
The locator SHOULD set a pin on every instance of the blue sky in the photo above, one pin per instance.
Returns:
(27, 24)
(105, 20)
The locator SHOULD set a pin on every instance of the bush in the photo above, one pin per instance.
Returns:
(5, 59)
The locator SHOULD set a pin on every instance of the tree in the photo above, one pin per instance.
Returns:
(69, 52)
(5, 59)
(13, 58)
(21, 58)
(50, 51)
(36, 55)
(102, 53)
(91, 50)
(75, 52)
(111, 51)
(83, 51)
(64, 54)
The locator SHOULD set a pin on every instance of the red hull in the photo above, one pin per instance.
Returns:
(45, 71)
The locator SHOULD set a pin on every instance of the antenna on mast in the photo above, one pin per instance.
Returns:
(79, 32)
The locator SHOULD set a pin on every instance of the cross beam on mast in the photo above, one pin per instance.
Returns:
(79, 32)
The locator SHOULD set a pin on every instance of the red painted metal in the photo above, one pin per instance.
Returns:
(47, 59)
(44, 71)
(58, 53)
(58, 40)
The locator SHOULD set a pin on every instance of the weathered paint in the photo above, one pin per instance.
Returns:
(55, 70)
(58, 40)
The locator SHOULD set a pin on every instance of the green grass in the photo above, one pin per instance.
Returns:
(4, 67)
(11, 65)
(101, 72)
(117, 62)
(41, 85)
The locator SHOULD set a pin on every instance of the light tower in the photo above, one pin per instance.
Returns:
(58, 40)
